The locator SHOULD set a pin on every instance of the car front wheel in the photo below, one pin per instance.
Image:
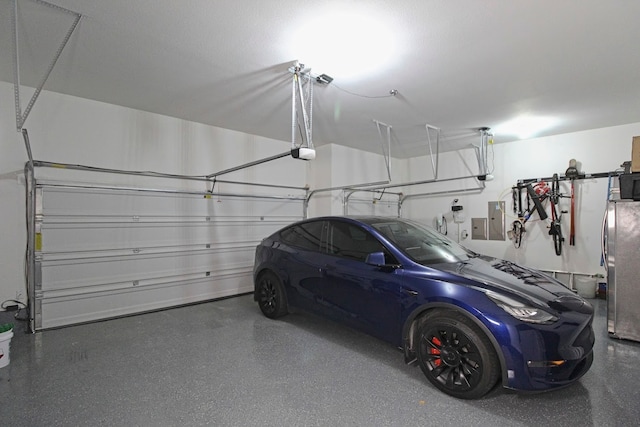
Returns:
(271, 298)
(455, 355)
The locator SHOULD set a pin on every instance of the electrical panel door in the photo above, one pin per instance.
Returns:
(496, 220)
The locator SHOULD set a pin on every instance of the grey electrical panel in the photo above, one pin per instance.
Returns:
(479, 228)
(496, 220)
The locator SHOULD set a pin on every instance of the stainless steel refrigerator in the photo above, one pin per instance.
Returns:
(623, 269)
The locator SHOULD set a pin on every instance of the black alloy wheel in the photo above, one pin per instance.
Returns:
(456, 356)
(271, 298)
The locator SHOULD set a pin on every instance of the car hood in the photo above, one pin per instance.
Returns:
(506, 276)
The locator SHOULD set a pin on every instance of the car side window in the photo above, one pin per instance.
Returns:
(350, 241)
(306, 235)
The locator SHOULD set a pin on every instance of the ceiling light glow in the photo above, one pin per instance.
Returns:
(345, 45)
(525, 126)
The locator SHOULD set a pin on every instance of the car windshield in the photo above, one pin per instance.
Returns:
(422, 244)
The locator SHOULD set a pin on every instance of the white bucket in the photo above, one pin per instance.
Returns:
(586, 286)
(5, 341)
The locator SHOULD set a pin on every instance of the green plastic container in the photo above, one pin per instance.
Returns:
(6, 333)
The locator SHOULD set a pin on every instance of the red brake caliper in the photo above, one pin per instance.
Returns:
(432, 350)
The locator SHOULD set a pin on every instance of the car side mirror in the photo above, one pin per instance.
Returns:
(377, 259)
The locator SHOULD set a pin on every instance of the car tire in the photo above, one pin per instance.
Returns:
(455, 355)
(271, 296)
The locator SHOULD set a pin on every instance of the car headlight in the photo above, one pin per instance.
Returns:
(520, 311)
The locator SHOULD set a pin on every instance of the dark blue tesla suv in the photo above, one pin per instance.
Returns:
(468, 320)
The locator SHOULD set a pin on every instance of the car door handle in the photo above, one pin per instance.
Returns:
(410, 292)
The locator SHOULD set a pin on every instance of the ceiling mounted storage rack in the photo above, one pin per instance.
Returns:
(21, 116)
(481, 154)
(433, 145)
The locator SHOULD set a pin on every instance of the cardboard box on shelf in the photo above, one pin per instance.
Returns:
(635, 154)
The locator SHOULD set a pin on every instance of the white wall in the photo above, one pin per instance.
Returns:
(599, 150)
(72, 130)
(67, 129)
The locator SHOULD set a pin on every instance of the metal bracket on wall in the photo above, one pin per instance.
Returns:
(21, 117)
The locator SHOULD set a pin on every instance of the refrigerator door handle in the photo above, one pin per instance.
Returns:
(603, 241)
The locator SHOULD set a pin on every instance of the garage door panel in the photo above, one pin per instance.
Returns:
(62, 310)
(63, 201)
(76, 272)
(99, 235)
(102, 253)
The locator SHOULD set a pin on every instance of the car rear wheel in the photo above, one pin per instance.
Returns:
(456, 356)
(271, 298)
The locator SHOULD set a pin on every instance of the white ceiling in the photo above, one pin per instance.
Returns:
(458, 65)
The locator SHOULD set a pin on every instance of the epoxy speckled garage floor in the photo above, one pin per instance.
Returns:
(222, 363)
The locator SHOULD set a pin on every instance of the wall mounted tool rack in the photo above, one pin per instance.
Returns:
(523, 182)
(527, 184)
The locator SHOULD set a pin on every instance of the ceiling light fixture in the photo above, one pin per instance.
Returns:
(526, 126)
(348, 44)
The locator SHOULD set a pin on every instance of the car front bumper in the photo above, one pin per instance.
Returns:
(545, 358)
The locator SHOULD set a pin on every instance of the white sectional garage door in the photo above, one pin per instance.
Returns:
(108, 252)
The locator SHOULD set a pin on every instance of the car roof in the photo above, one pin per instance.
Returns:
(361, 218)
